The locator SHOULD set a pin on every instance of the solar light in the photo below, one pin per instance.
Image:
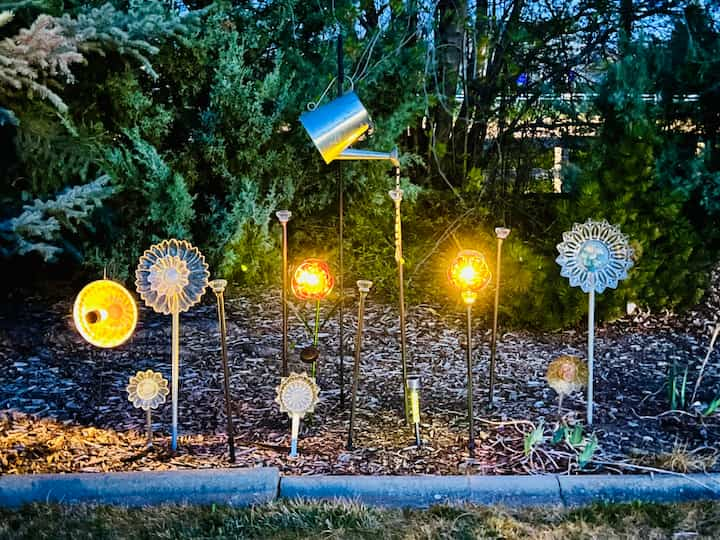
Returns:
(105, 313)
(284, 216)
(502, 233)
(218, 287)
(413, 383)
(147, 390)
(363, 289)
(171, 277)
(312, 280)
(470, 274)
(594, 255)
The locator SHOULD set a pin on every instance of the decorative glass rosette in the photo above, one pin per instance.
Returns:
(172, 271)
(297, 395)
(594, 255)
(105, 313)
(312, 280)
(147, 390)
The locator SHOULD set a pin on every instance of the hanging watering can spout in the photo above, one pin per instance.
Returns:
(336, 125)
(352, 153)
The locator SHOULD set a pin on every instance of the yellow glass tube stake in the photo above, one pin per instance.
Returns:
(175, 368)
(414, 391)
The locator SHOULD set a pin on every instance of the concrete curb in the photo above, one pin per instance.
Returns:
(424, 491)
(237, 487)
(582, 490)
(243, 487)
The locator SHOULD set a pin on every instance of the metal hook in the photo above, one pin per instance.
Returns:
(312, 105)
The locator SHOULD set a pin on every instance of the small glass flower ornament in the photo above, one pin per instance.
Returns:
(297, 395)
(147, 390)
(105, 313)
(594, 255)
(566, 375)
(312, 280)
(171, 277)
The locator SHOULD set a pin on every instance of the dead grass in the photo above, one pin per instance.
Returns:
(290, 520)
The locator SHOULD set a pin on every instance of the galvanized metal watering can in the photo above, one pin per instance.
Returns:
(333, 127)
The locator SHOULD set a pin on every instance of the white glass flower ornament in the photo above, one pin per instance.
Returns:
(594, 255)
(172, 275)
(147, 390)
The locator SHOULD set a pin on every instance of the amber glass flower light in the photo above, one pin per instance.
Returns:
(312, 280)
(105, 313)
(470, 273)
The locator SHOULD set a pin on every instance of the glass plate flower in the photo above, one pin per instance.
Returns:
(594, 255)
(297, 394)
(147, 390)
(172, 271)
(105, 313)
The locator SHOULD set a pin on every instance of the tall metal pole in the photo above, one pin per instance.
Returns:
(396, 195)
(471, 419)
(591, 352)
(364, 289)
(338, 168)
(218, 287)
(501, 233)
(284, 216)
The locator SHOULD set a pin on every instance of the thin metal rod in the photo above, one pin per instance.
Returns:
(284, 300)
(471, 419)
(226, 374)
(149, 428)
(591, 353)
(175, 370)
(340, 188)
(356, 371)
(493, 340)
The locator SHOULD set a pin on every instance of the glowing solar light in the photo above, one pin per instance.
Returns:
(312, 280)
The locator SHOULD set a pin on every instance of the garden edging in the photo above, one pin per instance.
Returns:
(243, 487)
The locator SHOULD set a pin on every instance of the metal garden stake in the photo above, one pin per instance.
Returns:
(284, 216)
(218, 287)
(501, 233)
(364, 289)
(594, 255)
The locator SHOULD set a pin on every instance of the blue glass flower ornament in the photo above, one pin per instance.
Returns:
(594, 255)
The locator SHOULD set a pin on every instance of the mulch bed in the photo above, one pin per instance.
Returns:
(63, 405)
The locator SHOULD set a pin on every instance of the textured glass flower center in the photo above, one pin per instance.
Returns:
(147, 389)
(169, 275)
(593, 255)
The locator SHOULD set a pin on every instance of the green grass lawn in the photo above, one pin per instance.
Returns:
(285, 520)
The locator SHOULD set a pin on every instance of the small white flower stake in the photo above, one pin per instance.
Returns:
(594, 255)
(147, 390)
(297, 395)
